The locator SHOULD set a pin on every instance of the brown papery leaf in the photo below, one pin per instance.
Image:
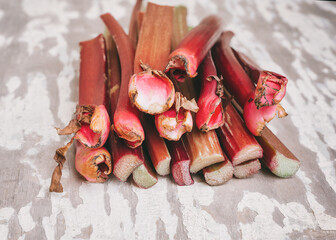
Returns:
(55, 185)
(72, 127)
(183, 102)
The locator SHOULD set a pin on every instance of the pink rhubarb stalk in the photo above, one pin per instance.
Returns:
(93, 164)
(247, 169)
(185, 59)
(150, 90)
(133, 31)
(126, 118)
(180, 163)
(157, 148)
(92, 122)
(125, 159)
(260, 103)
(218, 173)
(211, 112)
(239, 144)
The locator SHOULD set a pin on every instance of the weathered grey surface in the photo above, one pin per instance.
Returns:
(38, 90)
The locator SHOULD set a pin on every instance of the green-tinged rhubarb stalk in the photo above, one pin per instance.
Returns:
(218, 173)
(246, 169)
(144, 176)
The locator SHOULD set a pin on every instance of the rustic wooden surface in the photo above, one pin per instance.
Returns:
(38, 90)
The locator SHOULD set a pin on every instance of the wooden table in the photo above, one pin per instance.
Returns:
(39, 77)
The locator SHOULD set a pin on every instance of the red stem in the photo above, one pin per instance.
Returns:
(126, 118)
(211, 113)
(180, 163)
(133, 32)
(184, 61)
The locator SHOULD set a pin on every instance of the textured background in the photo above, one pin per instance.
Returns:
(38, 90)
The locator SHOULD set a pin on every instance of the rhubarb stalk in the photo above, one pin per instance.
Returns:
(218, 173)
(203, 148)
(211, 111)
(246, 169)
(180, 163)
(133, 32)
(185, 59)
(236, 140)
(156, 147)
(276, 156)
(92, 122)
(150, 90)
(125, 159)
(144, 176)
(260, 104)
(126, 118)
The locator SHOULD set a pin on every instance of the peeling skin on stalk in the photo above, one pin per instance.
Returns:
(151, 91)
(93, 164)
(171, 128)
(181, 68)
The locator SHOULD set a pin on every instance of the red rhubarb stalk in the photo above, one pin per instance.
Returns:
(236, 140)
(211, 112)
(260, 103)
(92, 122)
(150, 90)
(276, 156)
(203, 148)
(180, 163)
(93, 164)
(185, 59)
(247, 169)
(133, 32)
(144, 176)
(126, 118)
(125, 159)
(218, 173)
(157, 148)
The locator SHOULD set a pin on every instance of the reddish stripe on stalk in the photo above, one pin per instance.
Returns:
(125, 159)
(218, 173)
(156, 147)
(126, 118)
(247, 169)
(237, 141)
(261, 103)
(93, 164)
(180, 163)
(150, 90)
(133, 31)
(211, 113)
(185, 59)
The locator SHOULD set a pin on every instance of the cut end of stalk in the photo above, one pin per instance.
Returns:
(95, 126)
(247, 169)
(181, 174)
(180, 68)
(219, 173)
(171, 128)
(125, 166)
(247, 153)
(208, 160)
(282, 166)
(144, 178)
(151, 91)
(163, 167)
(93, 164)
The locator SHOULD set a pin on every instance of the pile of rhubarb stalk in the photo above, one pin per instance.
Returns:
(165, 100)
